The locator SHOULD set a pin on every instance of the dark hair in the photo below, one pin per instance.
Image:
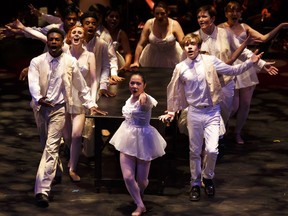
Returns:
(109, 11)
(70, 8)
(209, 8)
(141, 74)
(89, 14)
(113, 9)
(233, 5)
(98, 8)
(56, 30)
(162, 5)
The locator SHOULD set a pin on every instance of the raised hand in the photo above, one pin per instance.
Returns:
(255, 58)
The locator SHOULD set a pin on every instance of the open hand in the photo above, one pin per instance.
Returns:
(94, 111)
(270, 69)
(255, 58)
(117, 78)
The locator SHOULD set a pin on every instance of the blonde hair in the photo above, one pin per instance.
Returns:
(187, 38)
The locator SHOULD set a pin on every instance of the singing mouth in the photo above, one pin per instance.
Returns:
(90, 31)
(76, 40)
(53, 48)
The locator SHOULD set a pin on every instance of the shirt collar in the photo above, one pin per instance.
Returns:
(205, 36)
(51, 58)
(190, 61)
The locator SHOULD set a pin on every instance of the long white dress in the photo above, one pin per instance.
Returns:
(163, 53)
(135, 136)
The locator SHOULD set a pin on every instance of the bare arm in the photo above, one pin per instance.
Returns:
(177, 31)
(238, 51)
(34, 33)
(143, 40)
(269, 35)
(127, 51)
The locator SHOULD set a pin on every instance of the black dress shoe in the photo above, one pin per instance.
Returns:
(209, 187)
(42, 200)
(194, 193)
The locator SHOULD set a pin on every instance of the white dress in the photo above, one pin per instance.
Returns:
(77, 107)
(248, 78)
(162, 53)
(135, 136)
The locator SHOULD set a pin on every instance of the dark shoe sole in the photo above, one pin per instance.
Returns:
(43, 204)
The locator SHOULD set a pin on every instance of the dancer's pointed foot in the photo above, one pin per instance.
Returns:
(138, 211)
(239, 139)
(74, 177)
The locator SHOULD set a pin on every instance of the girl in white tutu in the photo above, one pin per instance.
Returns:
(137, 141)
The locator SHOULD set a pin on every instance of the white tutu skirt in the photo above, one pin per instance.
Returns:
(145, 143)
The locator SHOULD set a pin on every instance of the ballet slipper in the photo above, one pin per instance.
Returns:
(138, 211)
(74, 177)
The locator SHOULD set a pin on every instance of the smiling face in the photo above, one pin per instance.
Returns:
(136, 85)
(205, 21)
(55, 43)
(77, 36)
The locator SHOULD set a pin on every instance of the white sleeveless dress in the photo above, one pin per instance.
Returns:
(135, 136)
(163, 53)
(249, 77)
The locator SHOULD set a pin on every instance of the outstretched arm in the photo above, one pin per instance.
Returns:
(238, 51)
(34, 33)
(264, 38)
(47, 17)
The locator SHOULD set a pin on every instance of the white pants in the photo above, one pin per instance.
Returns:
(227, 101)
(203, 124)
(54, 118)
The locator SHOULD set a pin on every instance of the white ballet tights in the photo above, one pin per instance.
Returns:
(130, 167)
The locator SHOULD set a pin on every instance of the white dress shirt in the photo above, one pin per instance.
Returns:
(57, 85)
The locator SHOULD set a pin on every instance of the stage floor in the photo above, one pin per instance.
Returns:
(250, 179)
